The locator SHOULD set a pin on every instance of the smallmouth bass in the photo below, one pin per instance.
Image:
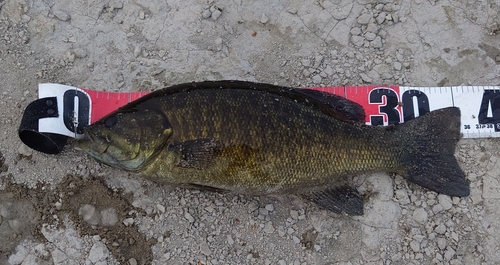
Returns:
(262, 139)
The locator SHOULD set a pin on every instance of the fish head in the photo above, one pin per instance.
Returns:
(127, 139)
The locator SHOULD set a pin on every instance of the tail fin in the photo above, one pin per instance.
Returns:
(429, 145)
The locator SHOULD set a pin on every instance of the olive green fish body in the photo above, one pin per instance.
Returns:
(261, 139)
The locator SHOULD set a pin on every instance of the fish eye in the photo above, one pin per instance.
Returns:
(110, 121)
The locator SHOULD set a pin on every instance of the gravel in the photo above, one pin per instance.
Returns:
(85, 213)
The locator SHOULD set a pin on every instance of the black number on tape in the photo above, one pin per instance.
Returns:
(78, 116)
(408, 107)
(389, 109)
(490, 98)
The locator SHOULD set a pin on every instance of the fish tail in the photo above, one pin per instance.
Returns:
(428, 144)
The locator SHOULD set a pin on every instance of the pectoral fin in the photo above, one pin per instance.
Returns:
(340, 199)
(197, 154)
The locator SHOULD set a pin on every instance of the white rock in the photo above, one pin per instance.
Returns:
(364, 18)
(24, 150)
(415, 246)
(357, 40)
(268, 228)
(264, 19)
(19, 256)
(370, 36)
(80, 53)
(98, 252)
(397, 66)
(383, 214)
(89, 214)
(128, 221)
(109, 217)
(189, 217)
(58, 257)
(445, 201)
(449, 254)
(440, 229)
(205, 249)
(442, 243)
(61, 15)
(377, 42)
(270, 207)
(206, 13)
(216, 14)
(160, 208)
(420, 215)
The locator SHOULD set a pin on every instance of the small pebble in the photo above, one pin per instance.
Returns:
(61, 15)
(109, 217)
(420, 215)
(24, 150)
(189, 217)
(264, 19)
(216, 14)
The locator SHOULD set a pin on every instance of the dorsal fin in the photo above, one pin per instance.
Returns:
(330, 104)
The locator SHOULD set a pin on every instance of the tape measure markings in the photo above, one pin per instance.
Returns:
(384, 105)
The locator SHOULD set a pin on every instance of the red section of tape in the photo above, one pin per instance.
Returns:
(371, 98)
(104, 103)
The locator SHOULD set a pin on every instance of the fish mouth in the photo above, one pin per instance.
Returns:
(93, 144)
(99, 148)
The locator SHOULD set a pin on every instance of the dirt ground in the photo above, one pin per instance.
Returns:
(68, 209)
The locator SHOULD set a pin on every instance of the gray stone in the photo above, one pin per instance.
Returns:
(264, 19)
(442, 243)
(90, 214)
(268, 228)
(440, 229)
(80, 53)
(24, 150)
(58, 257)
(420, 215)
(364, 18)
(355, 31)
(205, 249)
(357, 41)
(189, 217)
(445, 201)
(98, 252)
(216, 14)
(377, 42)
(109, 217)
(370, 36)
(61, 15)
(449, 253)
(415, 246)
(397, 66)
(381, 18)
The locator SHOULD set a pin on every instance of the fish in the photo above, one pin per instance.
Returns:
(261, 139)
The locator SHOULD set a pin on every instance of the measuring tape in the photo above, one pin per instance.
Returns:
(63, 111)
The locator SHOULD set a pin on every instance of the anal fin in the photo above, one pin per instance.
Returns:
(338, 200)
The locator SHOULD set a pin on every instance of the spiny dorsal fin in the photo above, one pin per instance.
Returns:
(330, 104)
